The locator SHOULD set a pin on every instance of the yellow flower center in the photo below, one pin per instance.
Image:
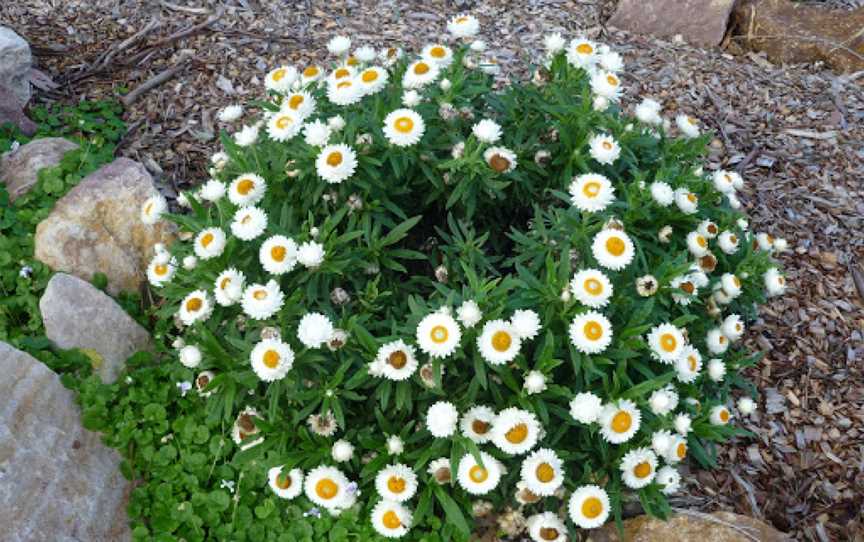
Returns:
(207, 239)
(480, 427)
(612, 80)
(607, 145)
(733, 239)
(284, 122)
(260, 294)
(692, 362)
(593, 286)
(692, 197)
(545, 473)
(781, 280)
(584, 49)
(592, 507)
(397, 359)
(517, 434)
(341, 72)
(622, 421)
(283, 481)
(437, 52)
(736, 281)
(311, 71)
(246, 219)
(462, 20)
(421, 68)
(701, 241)
(160, 269)
(615, 246)
(724, 416)
(404, 125)
(391, 520)
(369, 76)
(279, 74)
(148, 207)
(642, 470)
(681, 450)
(548, 533)
(668, 342)
(334, 158)
(344, 84)
(352, 61)
(593, 330)
(692, 121)
(245, 186)
(271, 359)
(224, 283)
(591, 189)
(326, 488)
(396, 484)
(194, 304)
(501, 341)
(439, 334)
(278, 253)
(478, 474)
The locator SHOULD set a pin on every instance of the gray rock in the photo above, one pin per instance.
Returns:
(19, 169)
(11, 111)
(96, 227)
(77, 315)
(699, 22)
(15, 63)
(58, 482)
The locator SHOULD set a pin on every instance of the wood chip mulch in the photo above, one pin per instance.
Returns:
(795, 133)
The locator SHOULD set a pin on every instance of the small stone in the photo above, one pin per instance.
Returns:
(699, 22)
(19, 169)
(77, 315)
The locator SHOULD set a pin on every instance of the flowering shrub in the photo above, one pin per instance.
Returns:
(406, 295)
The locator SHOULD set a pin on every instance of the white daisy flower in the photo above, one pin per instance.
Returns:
(611, 61)
(310, 254)
(670, 479)
(314, 330)
(323, 425)
(724, 181)
(498, 343)
(152, 209)
(230, 113)
(638, 468)
(441, 419)
(619, 421)
(246, 136)
(733, 327)
(728, 242)
(477, 423)
(247, 189)
(396, 360)
(715, 340)
(335, 163)
(662, 193)
(372, 80)
(391, 519)
(546, 527)
(479, 479)
(604, 149)
(688, 126)
(646, 285)
(585, 407)
(396, 482)
(403, 127)
(731, 285)
(286, 485)
(526, 323)
(196, 306)
(300, 103)
(543, 472)
(271, 360)
(677, 450)
(716, 370)
(719, 415)
(607, 85)
(775, 283)
(683, 424)
(589, 507)
(554, 43)
(411, 98)
(686, 201)
(209, 243)
(515, 431)
(212, 190)
(438, 335)
(261, 301)
(487, 131)
(591, 288)
(708, 229)
(746, 406)
(535, 382)
(440, 470)
(344, 92)
(469, 313)
(764, 241)
(419, 74)
(688, 365)
(249, 223)
(190, 356)
(500, 159)
(683, 289)
(697, 244)
(666, 342)
(161, 270)
(463, 26)
(284, 125)
(648, 111)
(316, 133)
(581, 53)
(244, 429)
(326, 487)
(663, 401)
(613, 249)
(437, 54)
(661, 441)
(590, 332)
(591, 192)
(228, 288)
(280, 79)
(278, 255)
(365, 53)
(339, 45)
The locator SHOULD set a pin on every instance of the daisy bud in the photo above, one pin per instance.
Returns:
(535, 382)
(190, 356)
(445, 85)
(541, 157)
(178, 343)
(190, 262)
(337, 340)
(478, 46)
(271, 333)
(481, 509)
(665, 234)
(746, 406)
(395, 446)
(336, 123)
(342, 451)
(339, 296)
(441, 274)
(683, 424)
(458, 150)
(355, 202)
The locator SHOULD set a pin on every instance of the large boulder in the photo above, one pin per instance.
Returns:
(19, 169)
(77, 315)
(686, 527)
(792, 32)
(15, 64)
(58, 481)
(699, 22)
(96, 227)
